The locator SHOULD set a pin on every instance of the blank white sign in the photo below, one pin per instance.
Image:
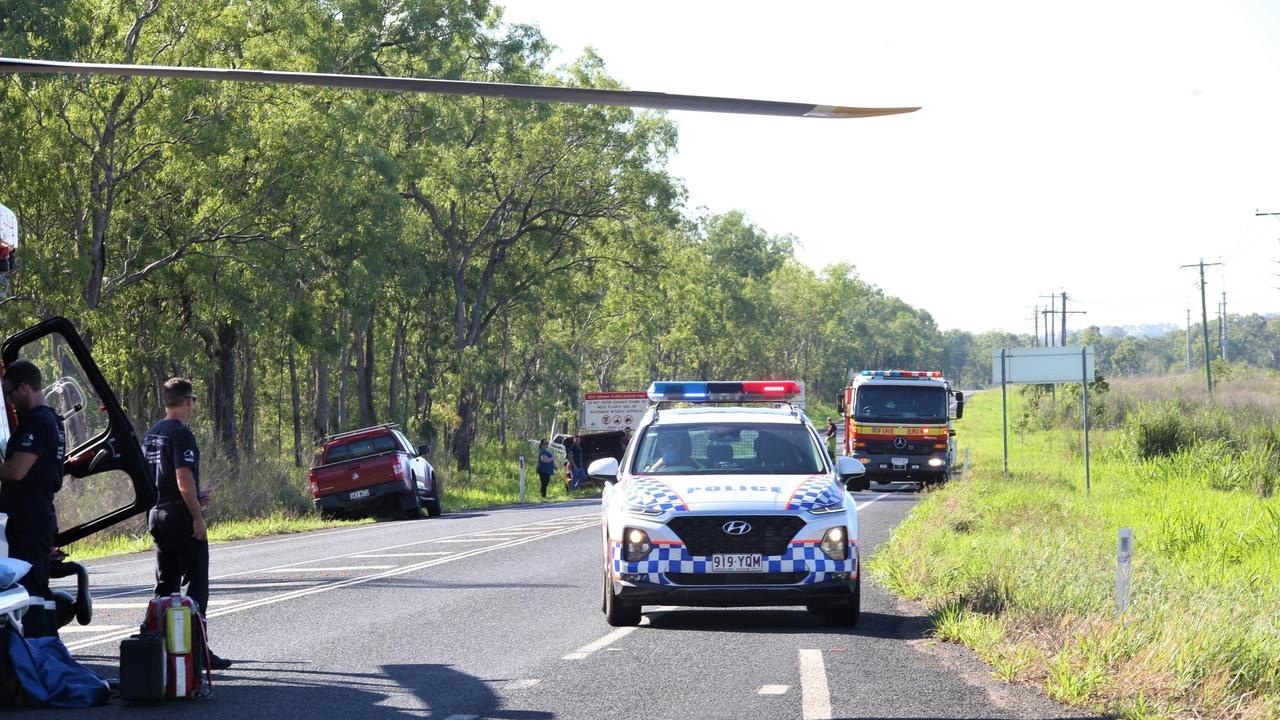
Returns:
(1042, 365)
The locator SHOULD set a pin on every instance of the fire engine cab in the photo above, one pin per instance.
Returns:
(899, 425)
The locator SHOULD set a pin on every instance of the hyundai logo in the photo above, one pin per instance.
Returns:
(736, 527)
(899, 442)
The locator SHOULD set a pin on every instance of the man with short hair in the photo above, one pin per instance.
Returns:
(29, 476)
(177, 520)
(831, 438)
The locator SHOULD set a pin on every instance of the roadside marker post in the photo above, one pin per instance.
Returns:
(966, 464)
(522, 479)
(1124, 571)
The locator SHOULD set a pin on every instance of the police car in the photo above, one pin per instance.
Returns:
(728, 505)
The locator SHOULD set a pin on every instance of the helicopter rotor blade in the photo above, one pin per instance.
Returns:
(508, 91)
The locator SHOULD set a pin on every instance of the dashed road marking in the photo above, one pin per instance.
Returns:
(773, 689)
(341, 568)
(521, 684)
(815, 698)
(396, 555)
(90, 628)
(600, 644)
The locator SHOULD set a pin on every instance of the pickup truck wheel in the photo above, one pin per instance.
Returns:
(432, 504)
(414, 511)
(617, 613)
(846, 612)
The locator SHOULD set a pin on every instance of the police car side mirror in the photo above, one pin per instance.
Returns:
(847, 467)
(605, 469)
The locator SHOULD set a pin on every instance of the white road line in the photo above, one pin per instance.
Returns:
(465, 539)
(815, 698)
(878, 497)
(447, 538)
(341, 568)
(254, 585)
(142, 604)
(395, 555)
(348, 582)
(600, 644)
(773, 689)
(461, 717)
(521, 684)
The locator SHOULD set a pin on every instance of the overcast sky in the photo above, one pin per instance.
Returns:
(1086, 146)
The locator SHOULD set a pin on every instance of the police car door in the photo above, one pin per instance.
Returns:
(106, 478)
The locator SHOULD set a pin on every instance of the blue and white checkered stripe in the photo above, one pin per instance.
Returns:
(816, 492)
(652, 494)
(675, 559)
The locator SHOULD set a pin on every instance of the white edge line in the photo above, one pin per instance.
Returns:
(815, 698)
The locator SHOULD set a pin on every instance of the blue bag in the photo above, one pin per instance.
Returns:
(50, 677)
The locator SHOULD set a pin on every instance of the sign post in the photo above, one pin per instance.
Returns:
(1040, 366)
(522, 479)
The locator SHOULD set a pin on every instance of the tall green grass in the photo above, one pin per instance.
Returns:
(1022, 568)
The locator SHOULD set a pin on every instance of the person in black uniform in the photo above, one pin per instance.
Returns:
(30, 475)
(177, 520)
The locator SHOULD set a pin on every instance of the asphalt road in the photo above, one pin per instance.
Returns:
(496, 614)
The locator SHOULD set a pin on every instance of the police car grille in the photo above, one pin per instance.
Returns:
(749, 578)
(705, 535)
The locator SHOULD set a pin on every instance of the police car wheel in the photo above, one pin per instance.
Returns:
(847, 612)
(617, 613)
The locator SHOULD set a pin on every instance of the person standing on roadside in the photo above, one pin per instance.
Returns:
(177, 520)
(831, 438)
(29, 476)
(577, 473)
(546, 466)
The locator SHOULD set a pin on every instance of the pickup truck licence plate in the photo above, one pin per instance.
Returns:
(356, 495)
(898, 461)
(736, 563)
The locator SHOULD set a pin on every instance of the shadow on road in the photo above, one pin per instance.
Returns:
(284, 690)
(788, 621)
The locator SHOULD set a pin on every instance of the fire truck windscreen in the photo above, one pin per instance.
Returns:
(901, 404)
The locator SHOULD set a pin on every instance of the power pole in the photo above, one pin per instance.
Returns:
(1048, 323)
(1064, 316)
(1188, 339)
(1204, 317)
(1035, 339)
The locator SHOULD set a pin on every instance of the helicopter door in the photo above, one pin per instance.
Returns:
(107, 481)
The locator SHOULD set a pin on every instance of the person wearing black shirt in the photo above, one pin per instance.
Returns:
(30, 475)
(177, 520)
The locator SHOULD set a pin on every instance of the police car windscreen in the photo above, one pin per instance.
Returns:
(728, 448)
(901, 404)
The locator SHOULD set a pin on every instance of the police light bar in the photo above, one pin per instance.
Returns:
(749, 391)
(902, 373)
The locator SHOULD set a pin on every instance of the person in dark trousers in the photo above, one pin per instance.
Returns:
(546, 466)
(177, 520)
(831, 438)
(577, 473)
(30, 475)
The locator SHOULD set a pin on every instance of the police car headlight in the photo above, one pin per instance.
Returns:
(635, 544)
(834, 507)
(643, 510)
(835, 544)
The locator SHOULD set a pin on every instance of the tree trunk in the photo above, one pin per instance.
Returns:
(393, 377)
(248, 402)
(295, 397)
(462, 438)
(364, 377)
(320, 401)
(224, 389)
(344, 367)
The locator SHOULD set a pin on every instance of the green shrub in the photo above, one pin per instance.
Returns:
(1160, 430)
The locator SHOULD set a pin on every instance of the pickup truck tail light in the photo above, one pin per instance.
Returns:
(398, 470)
(314, 483)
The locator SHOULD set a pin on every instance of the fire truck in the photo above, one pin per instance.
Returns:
(899, 424)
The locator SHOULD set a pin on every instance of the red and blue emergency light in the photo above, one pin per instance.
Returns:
(902, 373)
(748, 391)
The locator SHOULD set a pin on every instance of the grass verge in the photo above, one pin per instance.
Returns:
(1022, 569)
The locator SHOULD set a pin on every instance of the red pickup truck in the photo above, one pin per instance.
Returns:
(372, 469)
